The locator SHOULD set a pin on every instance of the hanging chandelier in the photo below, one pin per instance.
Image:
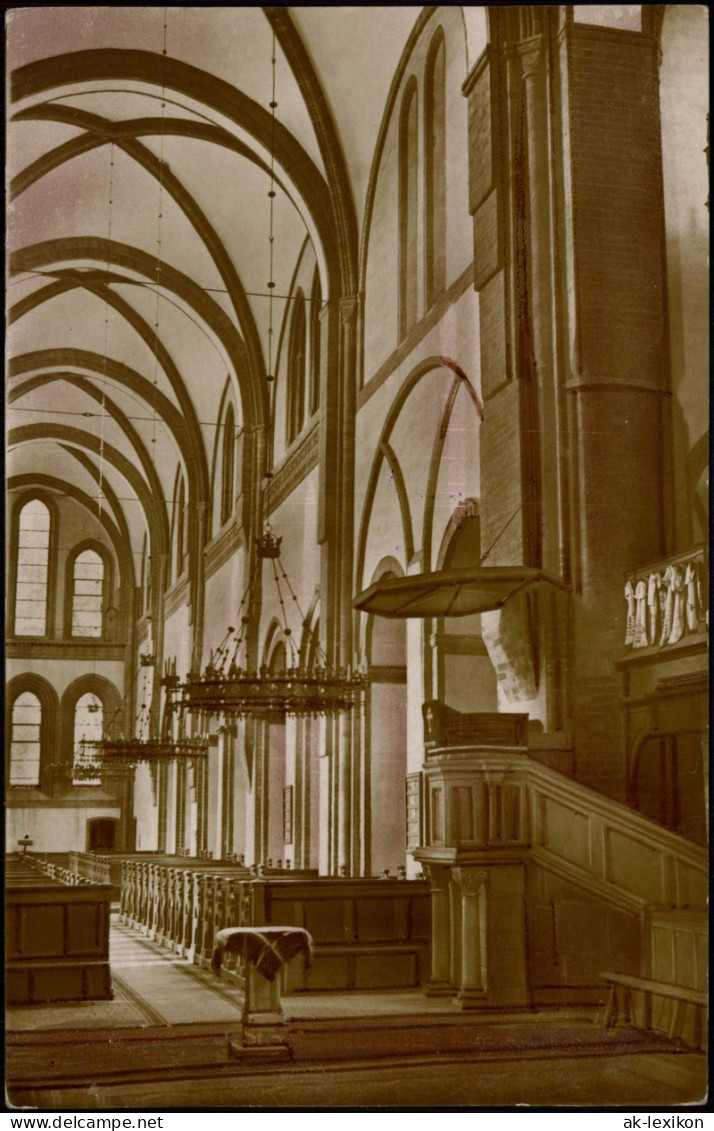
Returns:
(306, 686)
(116, 750)
(228, 687)
(155, 751)
(145, 746)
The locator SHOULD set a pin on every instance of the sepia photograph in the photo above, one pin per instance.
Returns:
(357, 576)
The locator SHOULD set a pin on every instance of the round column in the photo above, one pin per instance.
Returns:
(472, 988)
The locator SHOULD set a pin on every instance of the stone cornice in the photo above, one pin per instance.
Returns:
(417, 334)
(63, 650)
(34, 799)
(454, 644)
(222, 547)
(294, 468)
(177, 595)
(386, 673)
(477, 70)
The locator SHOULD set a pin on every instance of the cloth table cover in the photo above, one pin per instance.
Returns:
(265, 948)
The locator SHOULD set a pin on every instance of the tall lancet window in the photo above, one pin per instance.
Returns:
(33, 562)
(87, 594)
(435, 161)
(228, 461)
(408, 201)
(25, 740)
(180, 526)
(296, 369)
(88, 729)
(315, 342)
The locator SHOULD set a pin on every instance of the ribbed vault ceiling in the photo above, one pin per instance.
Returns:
(139, 147)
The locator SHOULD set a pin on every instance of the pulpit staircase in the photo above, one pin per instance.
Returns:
(576, 897)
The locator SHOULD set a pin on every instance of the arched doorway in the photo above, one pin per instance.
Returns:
(665, 783)
(101, 834)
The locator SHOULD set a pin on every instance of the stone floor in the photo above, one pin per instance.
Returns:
(163, 1043)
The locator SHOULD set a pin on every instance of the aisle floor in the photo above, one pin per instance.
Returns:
(163, 1042)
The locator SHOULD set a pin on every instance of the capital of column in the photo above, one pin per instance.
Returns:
(532, 57)
(470, 880)
(349, 305)
(437, 875)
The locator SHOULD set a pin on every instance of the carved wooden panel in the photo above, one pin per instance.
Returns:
(443, 726)
(414, 814)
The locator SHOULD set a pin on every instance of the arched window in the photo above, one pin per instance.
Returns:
(228, 465)
(148, 579)
(33, 563)
(315, 343)
(296, 369)
(278, 658)
(25, 744)
(144, 577)
(180, 525)
(88, 730)
(87, 594)
(408, 157)
(435, 162)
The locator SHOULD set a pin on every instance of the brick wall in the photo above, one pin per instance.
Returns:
(618, 205)
(610, 254)
(618, 333)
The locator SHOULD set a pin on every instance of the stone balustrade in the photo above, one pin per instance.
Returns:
(666, 602)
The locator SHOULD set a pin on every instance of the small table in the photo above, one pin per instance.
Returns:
(264, 950)
(26, 843)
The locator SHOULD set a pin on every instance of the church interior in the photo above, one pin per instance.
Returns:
(323, 748)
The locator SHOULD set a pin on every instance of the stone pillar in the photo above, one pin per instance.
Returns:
(336, 536)
(220, 793)
(198, 583)
(440, 983)
(344, 797)
(472, 982)
(614, 329)
(264, 996)
(508, 983)
(456, 925)
(565, 190)
(119, 782)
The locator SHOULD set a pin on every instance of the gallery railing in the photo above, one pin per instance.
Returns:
(666, 602)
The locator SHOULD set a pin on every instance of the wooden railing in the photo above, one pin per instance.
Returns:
(71, 877)
(674, 1010)
(367, 932)
(90, 866)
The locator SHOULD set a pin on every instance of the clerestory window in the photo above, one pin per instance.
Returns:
(33, 562)
(87, 594)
